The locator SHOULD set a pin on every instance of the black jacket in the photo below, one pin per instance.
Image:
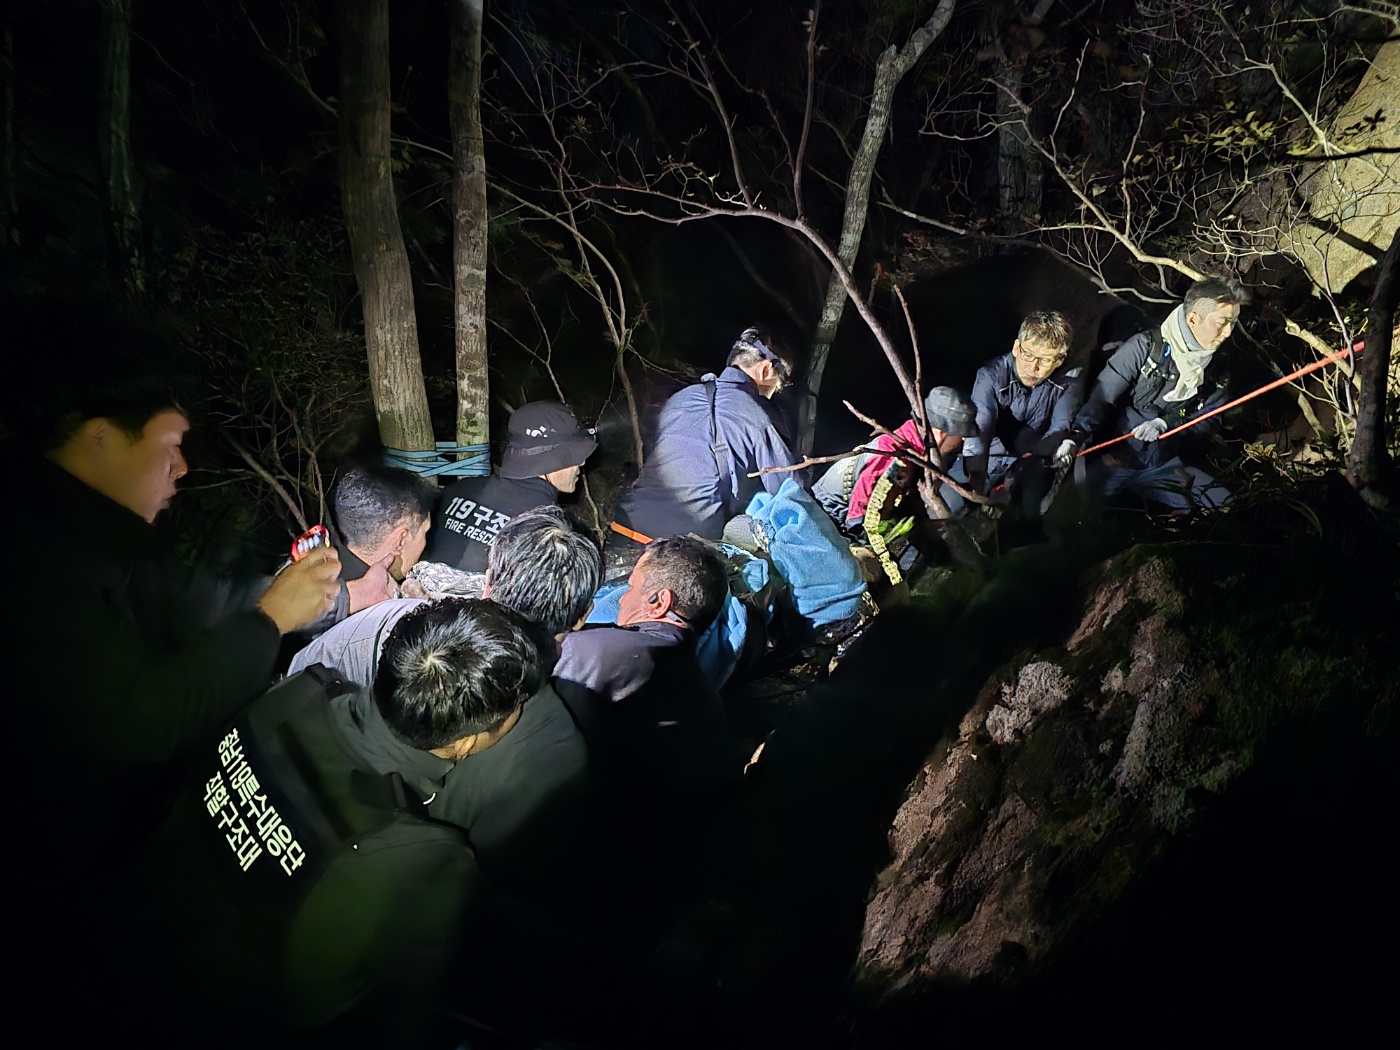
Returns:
(470, 512)
(300, 877)
(122, 657)
(1130, 390)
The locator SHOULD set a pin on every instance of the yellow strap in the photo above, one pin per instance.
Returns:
(878, 495)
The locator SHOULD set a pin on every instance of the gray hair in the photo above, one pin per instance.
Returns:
(1221, 291)
(545, 568)
(693, 571)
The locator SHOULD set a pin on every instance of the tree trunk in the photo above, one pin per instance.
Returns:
(1020, 169)
(372, 224)
(114, 148)
(469, 222)
(1370, 462)
(893, 64)
(9, 163)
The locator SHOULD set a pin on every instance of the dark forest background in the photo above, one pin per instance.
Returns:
(662, 175)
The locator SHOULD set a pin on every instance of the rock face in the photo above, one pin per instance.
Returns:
(1071, 772)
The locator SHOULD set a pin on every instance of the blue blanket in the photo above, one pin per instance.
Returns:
(809, 553)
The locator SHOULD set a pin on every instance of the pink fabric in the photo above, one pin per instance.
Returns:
(908, 439)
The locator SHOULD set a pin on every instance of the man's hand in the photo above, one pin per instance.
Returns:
(1065, 453)
(304, 591)
(373, 587)
(1151, 430)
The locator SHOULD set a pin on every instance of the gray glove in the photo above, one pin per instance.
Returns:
(1151, 430)
(1064, 454)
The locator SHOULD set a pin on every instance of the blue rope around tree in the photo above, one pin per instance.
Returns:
(473, 461)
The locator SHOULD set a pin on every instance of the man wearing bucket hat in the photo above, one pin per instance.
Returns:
(545, 450)
(710, 437)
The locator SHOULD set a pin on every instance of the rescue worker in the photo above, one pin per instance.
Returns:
(1025, 402)
(862, 493)
(649, 707)
(710, 436)
(1154, 382)
(380, 517)
(545, 451)
(120, 657)
(518, 800)
(301, 881)
(123, 653)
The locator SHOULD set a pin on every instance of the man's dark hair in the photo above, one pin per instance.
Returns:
(371, 501)
(456, 667)
(755, 345)
(1219, 290)
(545, 568)
(93, 365)
(694, 572)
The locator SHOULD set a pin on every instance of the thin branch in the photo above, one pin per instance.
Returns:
(906, 454)
(270, 481)
(807, 109)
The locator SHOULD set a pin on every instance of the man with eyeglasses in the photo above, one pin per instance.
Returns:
(1025, 402)
(710, 437)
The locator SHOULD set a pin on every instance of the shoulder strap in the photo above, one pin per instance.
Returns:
(724, 460)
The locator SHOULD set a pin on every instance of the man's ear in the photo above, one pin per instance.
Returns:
(398, 537)
(94, 433)
(665, 602)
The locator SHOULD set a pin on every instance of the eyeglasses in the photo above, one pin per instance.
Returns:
(1047, 361)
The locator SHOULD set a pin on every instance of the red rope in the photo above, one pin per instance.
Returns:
(1355, 348)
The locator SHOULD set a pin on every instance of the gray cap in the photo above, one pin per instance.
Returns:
(950, 411)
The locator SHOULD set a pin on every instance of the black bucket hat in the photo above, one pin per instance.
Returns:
(543, 437)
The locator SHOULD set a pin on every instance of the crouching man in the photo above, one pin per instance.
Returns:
(1025, 401)
(1153, 383)
(645, 705)
(300, 872)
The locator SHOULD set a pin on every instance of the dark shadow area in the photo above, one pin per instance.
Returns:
(1273, 921)
(817, 809)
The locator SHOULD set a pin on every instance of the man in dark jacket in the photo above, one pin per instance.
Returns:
(123, 654)
(1154, 382)
(301, 872)
(544, 457)
(519, 801)
(381, 516)
(710, 436)
(653, 720)
(122, 657)
(1025, 402)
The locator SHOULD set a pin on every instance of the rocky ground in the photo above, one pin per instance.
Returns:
(984, 800)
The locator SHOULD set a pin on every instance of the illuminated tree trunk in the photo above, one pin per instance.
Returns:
(891, 67)
(114, 148)
(1370, 462)
(469, 222)
(372, 224)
